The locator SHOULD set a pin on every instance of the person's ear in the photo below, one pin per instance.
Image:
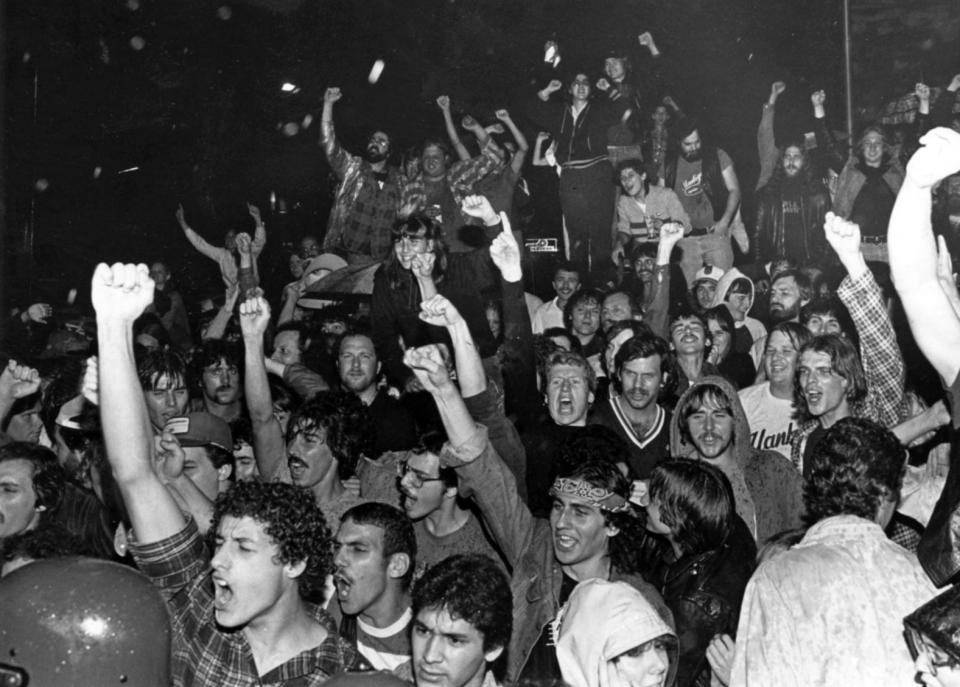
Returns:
(398, 566)
(224, 472)
(294, 570)
(493, 654)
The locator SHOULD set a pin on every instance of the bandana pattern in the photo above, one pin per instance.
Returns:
(598, 497)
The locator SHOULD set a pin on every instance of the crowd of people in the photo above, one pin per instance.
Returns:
(711, 456)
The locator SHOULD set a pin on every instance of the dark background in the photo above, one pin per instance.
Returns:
(198, 107)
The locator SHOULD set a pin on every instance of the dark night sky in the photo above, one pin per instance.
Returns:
(198, 106)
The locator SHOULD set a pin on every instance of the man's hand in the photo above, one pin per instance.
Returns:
(554, 86)
(954, 84)
(90, 388)
(720, 657)
(429, 367)
(255, 213)
(39, 312)
(181, 217)
(937, 158)
(443, 102)
(818, 98)
(469, 123)
(422, 265)
(542, 135)
(121, 292)
(244, 243)
(18, 381)
(843, 236)
(718, 226)
(776, 89)
(505, 252)
(603, 85)
(670, 235)
(502, 115)
(331, 95)
(618, 254)
(440, 312)
(254, 318)
(170, 457)
(646, 40)
(295, 290)
(478, 206)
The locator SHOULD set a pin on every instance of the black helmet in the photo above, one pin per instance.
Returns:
(82, 621)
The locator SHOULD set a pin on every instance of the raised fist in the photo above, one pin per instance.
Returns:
(443, 102)
(332, 95)
(121, 292)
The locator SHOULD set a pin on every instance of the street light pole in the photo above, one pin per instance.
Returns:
(848, 69)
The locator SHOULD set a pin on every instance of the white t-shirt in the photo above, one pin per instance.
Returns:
(548, 315)
(770, 418)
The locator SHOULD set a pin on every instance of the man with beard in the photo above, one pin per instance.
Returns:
(631, 410)
(241, 616)
(709, 425)
(374, 559)
(704, 179)
(368, 197)
(791, 210)
(359, 369)
(834, 382)
(218, 370)
(790, 290)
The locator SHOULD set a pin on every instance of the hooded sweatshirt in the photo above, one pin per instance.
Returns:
(767, 488)
(601, 621)
(758, 333)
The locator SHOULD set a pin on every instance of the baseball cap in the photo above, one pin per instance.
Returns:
(201, 429)
(708, 272)
(326, 261)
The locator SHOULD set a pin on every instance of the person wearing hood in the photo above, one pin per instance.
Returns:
(709, 425)
(703, 560)
(610, 636)
(735, 290)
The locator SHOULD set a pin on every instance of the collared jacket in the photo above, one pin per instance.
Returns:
(526, 542)
(769, 238)
(713, 182)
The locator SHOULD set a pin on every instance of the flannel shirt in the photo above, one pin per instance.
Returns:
(880, 356)
(229, 270)
(202, 653)
(461, 177)
(363, 212)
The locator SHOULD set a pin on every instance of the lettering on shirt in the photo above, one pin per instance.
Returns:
(692, 186)
(763, 441)
(791, 207)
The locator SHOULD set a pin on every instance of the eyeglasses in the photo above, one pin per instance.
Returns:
(936, 657)
(417, 478)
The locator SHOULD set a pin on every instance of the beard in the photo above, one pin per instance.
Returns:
(374, 155)
(779, 315)
(692, 156)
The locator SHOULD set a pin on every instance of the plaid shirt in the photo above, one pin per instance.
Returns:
(461, 177)
(202, 653)
(363, 212)
(880, 355)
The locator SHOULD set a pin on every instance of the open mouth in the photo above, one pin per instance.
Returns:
(564, 543)
(343, 584)
(813, 397)
(222, 593)
(296, 465)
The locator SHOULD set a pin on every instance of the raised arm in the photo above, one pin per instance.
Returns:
(825, 138)
(218, 325)
(516, 163)
(120, 294)
(17, 381)
(337, 157)
(170, 461)
(268, 444)
(913, 253)
(766, 144)
(196, 240)
(443, 102)
(733, 199)
(658, 312)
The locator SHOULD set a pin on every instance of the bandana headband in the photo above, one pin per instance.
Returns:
(601, 498)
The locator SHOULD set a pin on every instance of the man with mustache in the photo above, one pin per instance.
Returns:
(706, 182)
(368, 197)
(218, 369)
(790, 290)
(631, 410)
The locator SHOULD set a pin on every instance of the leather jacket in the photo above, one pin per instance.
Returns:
(769, 239)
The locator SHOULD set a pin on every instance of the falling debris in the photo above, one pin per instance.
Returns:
(749, 57)
(42, 185)
(291, 129)
(97, 171)
(626, 115)
(225, 13)
(307, 121)
(71, 296)
(376, 71)
(137, 43)
(133, 5)
(26, 57)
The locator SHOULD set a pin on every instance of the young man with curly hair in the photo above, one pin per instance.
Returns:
(242, 616)
(829, 611)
